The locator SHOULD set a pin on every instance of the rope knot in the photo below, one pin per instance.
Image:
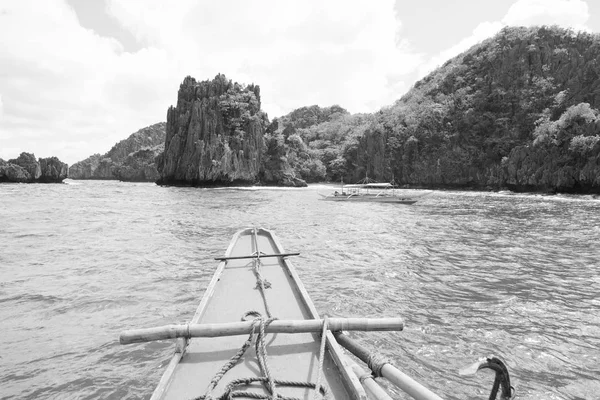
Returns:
(376, 363)
(262, 284)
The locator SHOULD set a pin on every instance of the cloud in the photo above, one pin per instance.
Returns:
(566, 13)
(68, 92)
(480, 33)
(300, 52)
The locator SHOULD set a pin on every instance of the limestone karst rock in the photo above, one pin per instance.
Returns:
(216, 136)
(53, 170)
(140, 166)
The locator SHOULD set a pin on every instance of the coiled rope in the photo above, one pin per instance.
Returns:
(266, 379)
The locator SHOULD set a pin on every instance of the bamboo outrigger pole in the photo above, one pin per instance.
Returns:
(245, 327)
(388, 371)
(372, 388)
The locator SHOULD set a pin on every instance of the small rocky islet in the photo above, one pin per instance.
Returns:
(27, 169)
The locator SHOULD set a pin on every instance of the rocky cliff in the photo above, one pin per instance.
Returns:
(27, 169)
(141, 166)
(216, 136)
(518, 110)
(122, 161)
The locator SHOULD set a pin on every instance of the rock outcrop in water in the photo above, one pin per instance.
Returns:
(27, 169)
(132, 159)
(216, 136)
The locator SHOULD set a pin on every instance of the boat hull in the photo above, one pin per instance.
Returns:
(231, 293)
(371, 199)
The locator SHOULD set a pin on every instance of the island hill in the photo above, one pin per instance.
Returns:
(517, 111)
(132, 159)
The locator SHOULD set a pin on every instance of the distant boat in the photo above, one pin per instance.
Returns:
(369, 192)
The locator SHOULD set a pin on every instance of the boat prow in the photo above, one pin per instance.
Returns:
(256, 292)
(235, 290)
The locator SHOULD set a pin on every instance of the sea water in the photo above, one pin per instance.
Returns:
(472, 273)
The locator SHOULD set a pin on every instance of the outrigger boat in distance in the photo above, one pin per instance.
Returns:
(369, 192)
(289, 351)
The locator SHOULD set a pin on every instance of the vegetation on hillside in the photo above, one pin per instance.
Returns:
(518, 110)
(132, 159)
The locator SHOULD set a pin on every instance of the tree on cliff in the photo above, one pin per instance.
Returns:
(320, 141)
(564, 154)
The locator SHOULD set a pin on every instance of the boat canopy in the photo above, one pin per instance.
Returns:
(369, 186)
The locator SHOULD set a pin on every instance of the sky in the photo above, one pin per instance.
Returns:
(77, 76)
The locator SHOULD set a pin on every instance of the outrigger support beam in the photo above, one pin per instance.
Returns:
(245, 327)
(388, 371)
(256, 256)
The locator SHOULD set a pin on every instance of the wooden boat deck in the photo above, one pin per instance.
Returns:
(230, 294)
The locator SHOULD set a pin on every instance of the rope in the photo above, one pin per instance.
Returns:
(261, 283)
(229, 393)
(261, 355)
(321, 357)
(230, 364)
(376, 363)
(266, 379)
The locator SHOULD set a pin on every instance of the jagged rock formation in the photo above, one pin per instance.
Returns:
(93, 167)
(140, 166)
(122, 162)
(27, 169)
(216, 136)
